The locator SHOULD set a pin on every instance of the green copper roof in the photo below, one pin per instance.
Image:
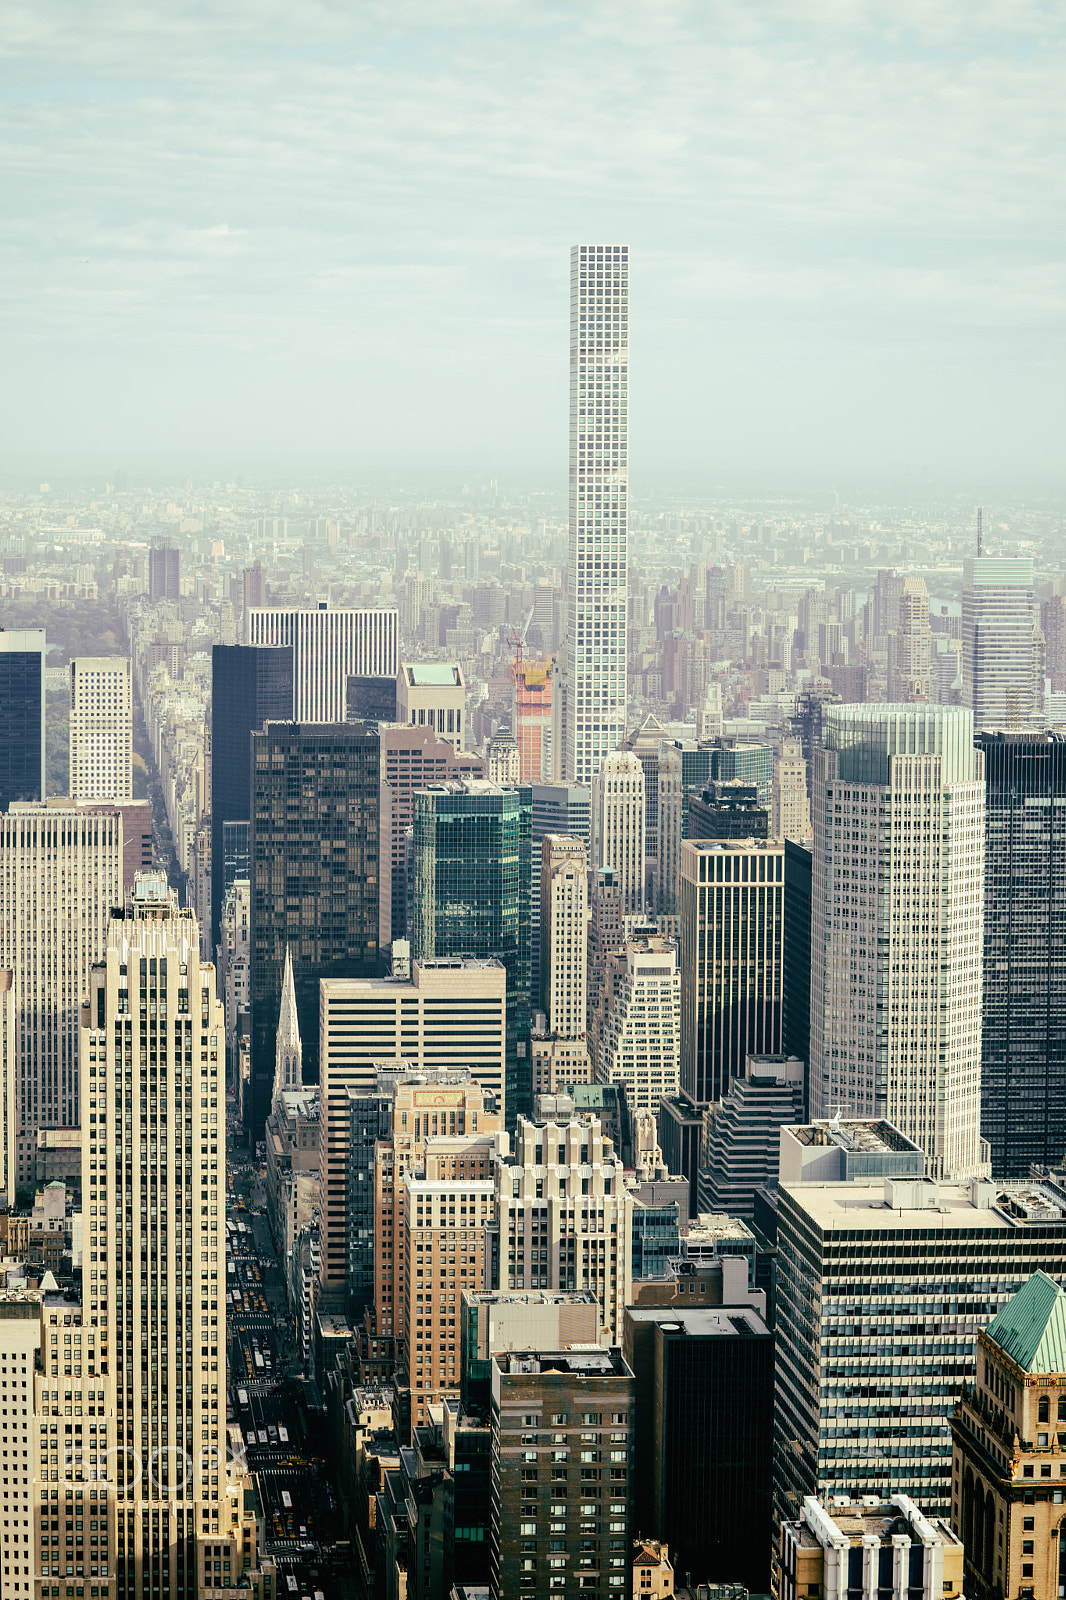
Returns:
(1031, 1328)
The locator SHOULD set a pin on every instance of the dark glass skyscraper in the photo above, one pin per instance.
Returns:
(314, 849)
(796, 951)
(472, 869)
(164, 572)
(22, 697)
(1023, 1051)
(249, 686)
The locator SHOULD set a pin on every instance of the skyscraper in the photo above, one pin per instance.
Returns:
(314, 850)
(531, 718)
(898, 810)
(879, 1287)
(564, 901)
(593, 715)
(557, 808)
(732, 902)
(910, 648)
(249, 687)
(164, 572)
(154, 1213)
(790, 817)
(618, 794)
(637, 1028)
(328, 646)
(101, 728)
(60, 876)
(450, 1014)
(411, 759)
(999, 627)
(473, 873)
(22, 652)
(705, 1383)
(1023, 1038)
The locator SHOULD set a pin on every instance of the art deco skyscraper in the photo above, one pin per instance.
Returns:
(564, 902)
(101, 728)
(898, 810)
(154, 1192)
(999, 643)
(618, 798)
(593, 713)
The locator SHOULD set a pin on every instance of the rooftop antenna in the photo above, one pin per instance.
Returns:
(980, 520)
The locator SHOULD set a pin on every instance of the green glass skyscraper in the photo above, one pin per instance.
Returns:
(472, 880)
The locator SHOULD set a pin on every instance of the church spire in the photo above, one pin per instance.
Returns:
(288, 1062)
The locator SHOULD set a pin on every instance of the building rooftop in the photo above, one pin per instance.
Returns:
(991, 1206)
(865, 1135)
(1031, 1327)
(581, 1361)
(703, 1322)
(843, 1523)
(433, 674)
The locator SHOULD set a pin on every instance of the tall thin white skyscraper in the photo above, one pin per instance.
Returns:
(593, 712)
(898, 809)
(101, 728)
(328, 646)
(1001, 670)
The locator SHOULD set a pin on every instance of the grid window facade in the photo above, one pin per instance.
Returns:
(594, 710)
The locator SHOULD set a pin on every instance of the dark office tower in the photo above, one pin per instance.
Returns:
(704, 1382)
(1023, 1044)
(164, 575)
(728, 811)
(732, 906)
(796, 947)
(22, 653)
(249, 686)
(370, 699)
(472, 883)
(314, 848)
(371, 1120)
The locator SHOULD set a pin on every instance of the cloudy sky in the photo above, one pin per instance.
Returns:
(295, 237)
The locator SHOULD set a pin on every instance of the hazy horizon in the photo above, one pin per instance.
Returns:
(307, 241)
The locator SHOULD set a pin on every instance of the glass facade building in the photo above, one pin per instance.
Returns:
(1023, 1041)
(22, 654)
(371, 1120)
(314, 849)
(249, 686)
(732, 900)
(472, 897)
(796, 941)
